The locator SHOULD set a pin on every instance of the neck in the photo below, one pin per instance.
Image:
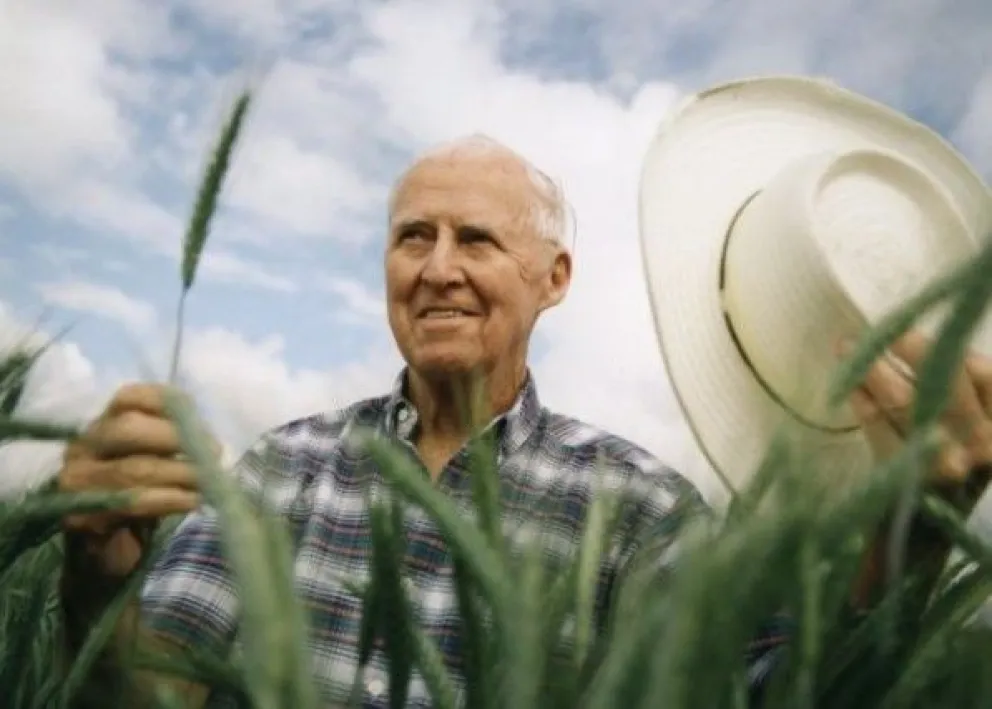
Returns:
(451, 408)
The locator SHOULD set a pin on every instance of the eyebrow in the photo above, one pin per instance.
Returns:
(402, 225)
(414, 222)
(407, 223)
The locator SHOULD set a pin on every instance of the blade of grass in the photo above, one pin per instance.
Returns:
(590, 558)
(433, 670)
(484, 564)
(523, 676)
(891, 327)
(251, 546)
(477, 640)
(14, 429)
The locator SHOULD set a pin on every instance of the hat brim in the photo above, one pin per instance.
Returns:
(714, 151)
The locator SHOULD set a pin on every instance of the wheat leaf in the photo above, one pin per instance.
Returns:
(14, 429)
(485, 565)
(942, 364)
(247, 542)
(890, 328)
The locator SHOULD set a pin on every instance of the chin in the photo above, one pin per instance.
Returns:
(440, 363)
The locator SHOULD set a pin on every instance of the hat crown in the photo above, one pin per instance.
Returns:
(830, 244)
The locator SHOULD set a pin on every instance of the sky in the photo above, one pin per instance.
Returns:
(110, 107)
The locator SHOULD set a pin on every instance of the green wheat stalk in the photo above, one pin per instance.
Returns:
(198, 228)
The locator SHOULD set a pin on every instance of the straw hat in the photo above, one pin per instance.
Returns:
(777, 215)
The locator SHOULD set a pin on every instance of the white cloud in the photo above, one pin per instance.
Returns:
(250, 388)
(304, 190)
(64, 111)
(265, 22)
(60, 257)
(226, 267)
(101, 300)
(123, 211)
(41, 86)
(63, 387)
(361, 303)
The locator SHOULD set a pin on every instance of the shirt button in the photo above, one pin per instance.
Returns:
(375, 687)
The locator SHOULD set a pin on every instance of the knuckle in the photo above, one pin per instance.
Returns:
(130, 425)
(981, 367)
(133, 388)
(901, 399)
(77, 475)
(130, 471)
(145, 471)
(125, 393)
(138, 395)
(74, 450)
(142, 470)
(981, 438)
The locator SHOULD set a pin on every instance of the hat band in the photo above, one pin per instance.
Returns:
(736, 339)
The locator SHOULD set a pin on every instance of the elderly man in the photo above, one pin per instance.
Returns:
(473, 256)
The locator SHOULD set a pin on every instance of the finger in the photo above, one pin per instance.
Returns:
(979, 367)
(80, 447)
(149, 503)
(891, 393)
(159, 502)
(952, 464)
(135, 471)
(865, 408)
(964, 408)
(145, 397)
(131, 433)
(912, 347)
(879, 430)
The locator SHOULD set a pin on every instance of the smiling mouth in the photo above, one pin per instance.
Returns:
(444, 313)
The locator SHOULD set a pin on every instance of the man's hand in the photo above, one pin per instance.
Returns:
(884, 404)
(132, 445)
(885, 400)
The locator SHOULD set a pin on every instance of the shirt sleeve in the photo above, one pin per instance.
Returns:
(190, 597)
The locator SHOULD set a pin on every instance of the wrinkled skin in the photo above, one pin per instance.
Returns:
(460, 238)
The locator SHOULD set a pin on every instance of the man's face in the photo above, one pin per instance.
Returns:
(466, 273)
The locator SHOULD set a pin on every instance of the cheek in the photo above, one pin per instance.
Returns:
(399, 284)
(511, 310)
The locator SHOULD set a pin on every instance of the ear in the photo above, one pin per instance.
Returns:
(557, 280)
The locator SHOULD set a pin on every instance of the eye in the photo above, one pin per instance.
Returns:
(413, 232)
(475, 235)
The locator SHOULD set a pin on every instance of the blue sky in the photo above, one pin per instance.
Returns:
(108, 112)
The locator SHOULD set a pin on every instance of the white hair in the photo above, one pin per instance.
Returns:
(549, 211)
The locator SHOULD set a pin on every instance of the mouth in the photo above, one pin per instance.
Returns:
(445, 313)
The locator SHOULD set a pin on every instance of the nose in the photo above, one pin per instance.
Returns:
(443, 267)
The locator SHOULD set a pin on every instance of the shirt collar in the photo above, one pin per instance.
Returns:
(513, 428)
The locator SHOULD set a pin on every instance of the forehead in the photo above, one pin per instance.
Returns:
(490, 189)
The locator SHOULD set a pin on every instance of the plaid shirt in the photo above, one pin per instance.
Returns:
(315, 474)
